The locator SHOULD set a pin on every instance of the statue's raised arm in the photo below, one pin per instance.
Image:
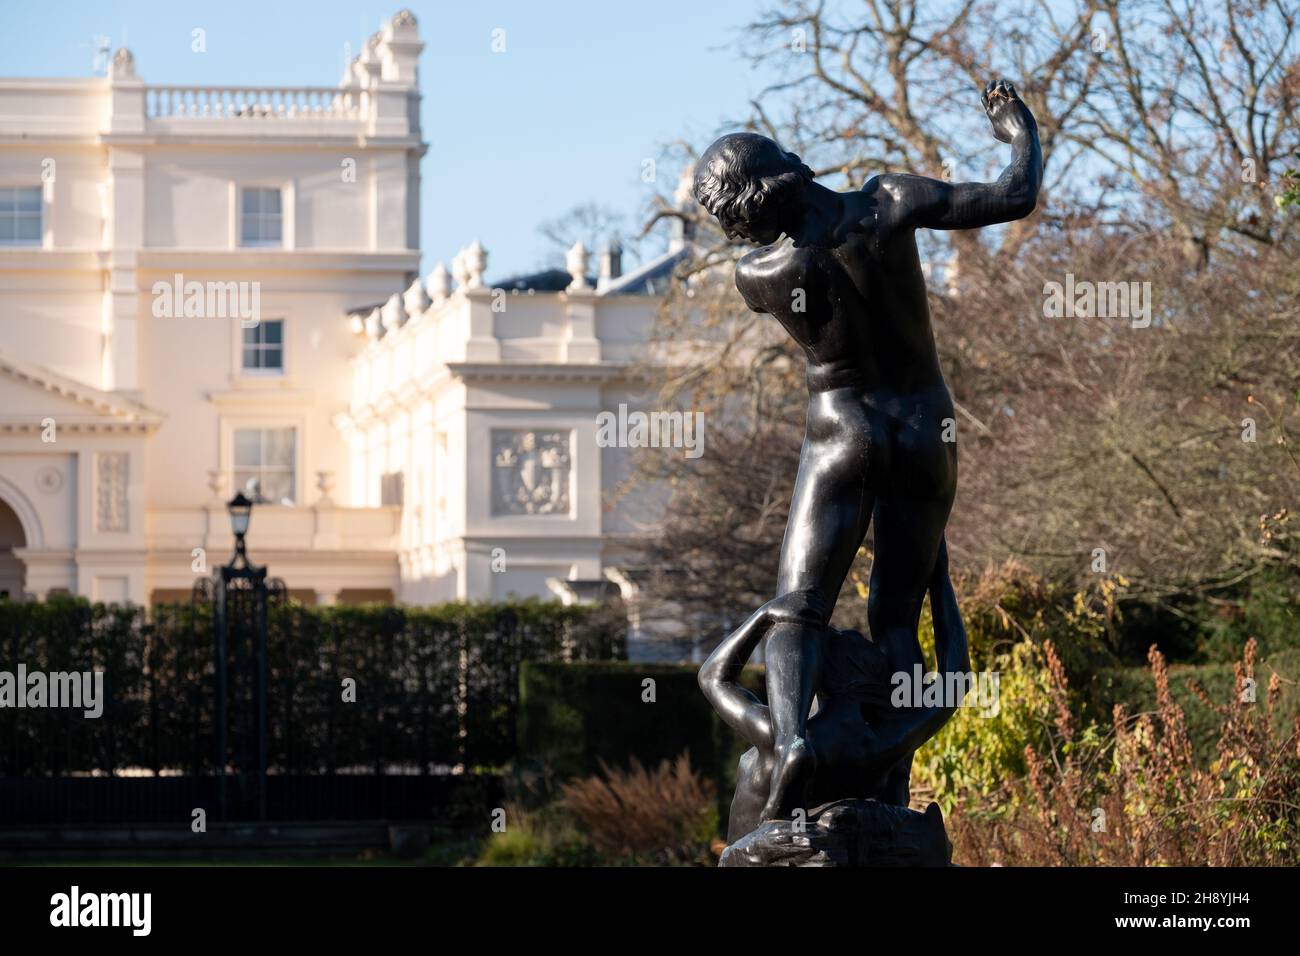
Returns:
(921, 202)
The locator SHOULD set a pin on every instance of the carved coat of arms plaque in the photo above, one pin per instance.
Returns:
(530, 472)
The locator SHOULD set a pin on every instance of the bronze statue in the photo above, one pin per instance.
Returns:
(846, 283)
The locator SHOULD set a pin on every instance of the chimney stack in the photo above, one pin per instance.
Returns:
(611, 264)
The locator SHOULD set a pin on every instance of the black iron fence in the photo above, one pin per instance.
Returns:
(353, 693)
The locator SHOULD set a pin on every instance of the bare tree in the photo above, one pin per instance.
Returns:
(1168, 444)
(1195, 111)
(593, 224)
(882, 87)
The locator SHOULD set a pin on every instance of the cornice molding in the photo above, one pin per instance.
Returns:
(540, 371)
(278, 260)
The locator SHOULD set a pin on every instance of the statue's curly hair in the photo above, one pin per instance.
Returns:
(743, 172)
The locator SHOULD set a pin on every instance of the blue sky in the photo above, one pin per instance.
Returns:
(585, 91)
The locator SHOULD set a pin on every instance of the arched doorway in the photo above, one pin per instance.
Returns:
(13, 573)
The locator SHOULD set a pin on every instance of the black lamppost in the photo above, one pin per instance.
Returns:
(241, 510)
(240, 617)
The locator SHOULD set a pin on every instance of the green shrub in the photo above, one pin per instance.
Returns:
(1267, 608)
(665, 815)
(976, 751)
(517, 847)
(537, 838)
(575, 717)
(1134, 793)
(1132, 687)
(634, 817)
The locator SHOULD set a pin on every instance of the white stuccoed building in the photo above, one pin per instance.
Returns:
(205, 290)
(476, 407)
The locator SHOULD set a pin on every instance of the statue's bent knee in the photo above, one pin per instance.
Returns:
(805, 606)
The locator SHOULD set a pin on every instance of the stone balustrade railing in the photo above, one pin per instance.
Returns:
(276, 527)
(255, 103)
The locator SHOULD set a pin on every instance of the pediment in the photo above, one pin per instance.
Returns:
(30, 394)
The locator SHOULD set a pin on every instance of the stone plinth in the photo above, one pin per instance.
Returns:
(847, 833)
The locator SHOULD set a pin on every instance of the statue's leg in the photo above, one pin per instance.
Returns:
(793, 664)
(828, 520)
(908, 530)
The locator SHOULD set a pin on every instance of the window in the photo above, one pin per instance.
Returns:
(260, 216)
(263, 349)
(20, 215)
(264, 464)
(391, 488)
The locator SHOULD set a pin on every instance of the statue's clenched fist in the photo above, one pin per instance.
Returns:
(1008, 114)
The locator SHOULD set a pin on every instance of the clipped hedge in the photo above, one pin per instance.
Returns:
(435, 686)
(574, 716)
(1134, 688)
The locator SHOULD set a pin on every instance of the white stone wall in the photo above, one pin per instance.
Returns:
(485, 402)
(141, 183)
(488, 403)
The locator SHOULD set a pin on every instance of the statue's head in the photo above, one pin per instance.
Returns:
(853, 666)
(752, 186)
